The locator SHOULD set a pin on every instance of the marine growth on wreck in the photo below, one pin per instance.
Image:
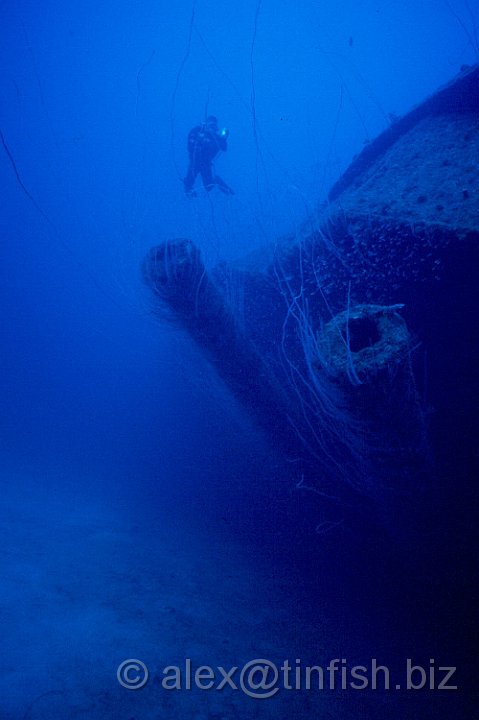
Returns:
(334, 356)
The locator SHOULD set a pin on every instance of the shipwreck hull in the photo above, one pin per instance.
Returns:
(356, 349)
(400, 229)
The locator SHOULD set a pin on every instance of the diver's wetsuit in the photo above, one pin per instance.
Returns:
(204, 144)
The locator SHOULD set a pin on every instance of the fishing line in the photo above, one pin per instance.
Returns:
(176, 87)
(138, 75)
(179, 74)
(259, 159)
(262, 147)
(22, 184)
(60, 187)
(59, 240)
(471, 35)
(221, 70)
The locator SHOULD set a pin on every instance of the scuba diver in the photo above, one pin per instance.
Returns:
(204, 143)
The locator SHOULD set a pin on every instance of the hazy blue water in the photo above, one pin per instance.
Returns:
(108, 415)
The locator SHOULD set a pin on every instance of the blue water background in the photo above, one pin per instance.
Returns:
(108, 413)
